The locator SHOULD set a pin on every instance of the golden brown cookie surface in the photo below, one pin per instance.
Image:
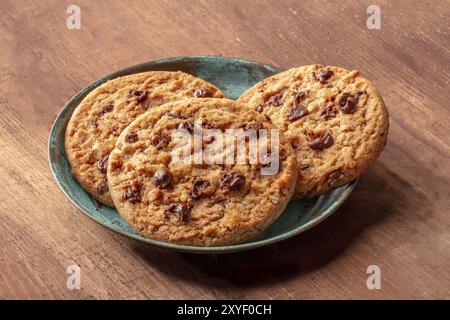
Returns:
(205, 204)
(103, 114)
(334, 118)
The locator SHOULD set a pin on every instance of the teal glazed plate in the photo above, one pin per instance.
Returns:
(233, 76)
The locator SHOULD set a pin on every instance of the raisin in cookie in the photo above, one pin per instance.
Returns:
(334, 118)
(200, 202)
(103, 114)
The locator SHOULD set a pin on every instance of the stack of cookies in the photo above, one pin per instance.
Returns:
(139, 143)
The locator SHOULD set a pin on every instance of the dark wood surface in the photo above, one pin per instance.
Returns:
(397, 217)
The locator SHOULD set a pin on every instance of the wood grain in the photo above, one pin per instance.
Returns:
(397, 218)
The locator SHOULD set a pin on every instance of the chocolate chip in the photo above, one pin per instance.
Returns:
(297, 111)
(202, 188)
(108, 108)
(209, 140)
(329, 111)
(102, 187)
(165, 139)
(237, 182)
(276, 100)
(202, 93)
(295, 142)
(358, 94)
(133, 192)
(254, 125)
(160, 140)
(131, 137)
(300, 96)
(232, 180)
(321, 142)
(140, 94)
(348, 102)
(102, 164)
(260, 108)
(136, 93)
(323, 76)
(207, 125)
(162, 178)
(91, 159)
(155, 139)
(182, 211)
(187, 125)
(333, 177)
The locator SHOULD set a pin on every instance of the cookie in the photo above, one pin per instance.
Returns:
(195, 201)
(335, 119)
(103, 114)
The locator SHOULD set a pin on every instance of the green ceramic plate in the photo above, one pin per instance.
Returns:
(233, 76)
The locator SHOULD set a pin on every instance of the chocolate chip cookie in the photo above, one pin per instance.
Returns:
(103, 114)
(335, 119)
(189, 197)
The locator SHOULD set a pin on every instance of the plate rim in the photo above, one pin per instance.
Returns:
(348, 188)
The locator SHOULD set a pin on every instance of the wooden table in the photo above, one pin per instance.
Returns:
(397, 218)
